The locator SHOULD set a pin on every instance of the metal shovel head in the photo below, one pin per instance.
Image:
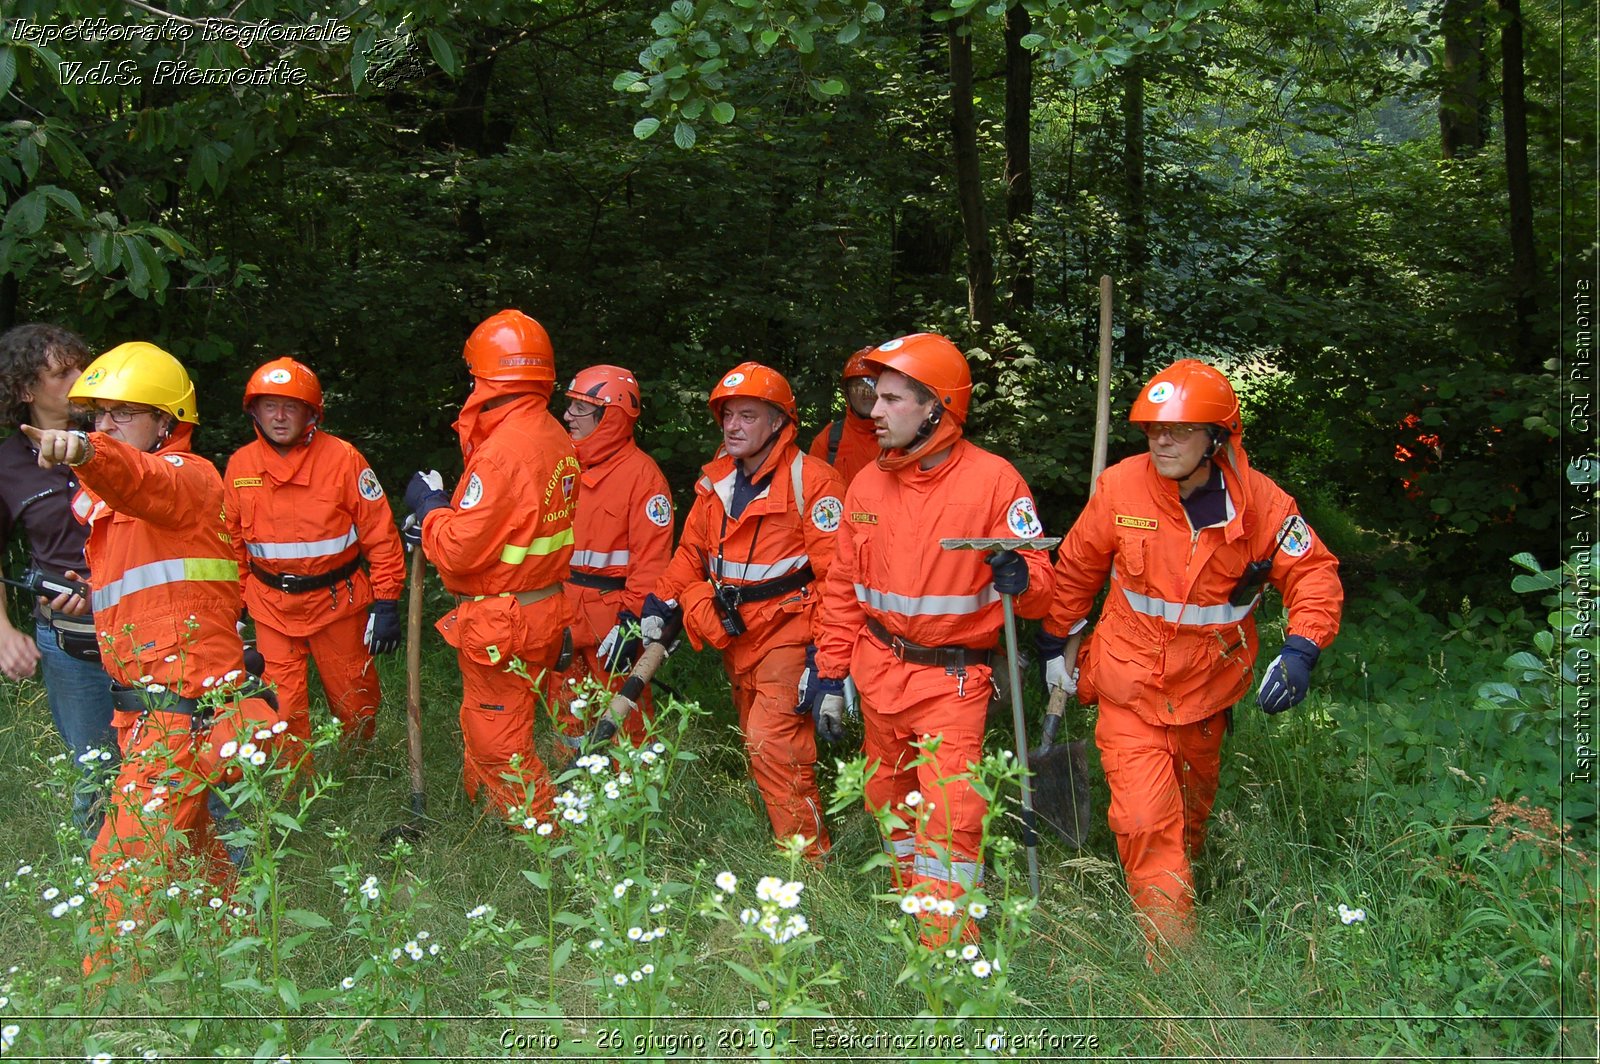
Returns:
(1061, 796)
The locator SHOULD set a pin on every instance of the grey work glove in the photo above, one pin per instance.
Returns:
(830, 716)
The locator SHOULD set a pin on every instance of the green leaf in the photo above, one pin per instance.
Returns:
(851, 31)
(682, 10)
(722, 112)
(831, 87)
(1527, 561)
(8, 68)
(358, 57)
(558, 959)
(289, 993)
(1032, 40)
(1524, 660)
(442, 53)
(307, 918)
(537, 878)
(26, 216)
(1545, 641)
(625, 80)
(683, 136)
(646, 127)
(769, 38)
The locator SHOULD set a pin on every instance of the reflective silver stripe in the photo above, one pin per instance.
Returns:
(595, 559)
(317, 549)
(1187, 612)
(966, 873)
(171, 571)
(752, 573)
(900, 847)
(926, 605)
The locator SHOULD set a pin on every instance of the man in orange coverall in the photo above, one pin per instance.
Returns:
(165, 600)
(757, 539)
(850, 444)
(623, 536)
(502, 544)
(1188, 533)
(304, 509)
(914, 624)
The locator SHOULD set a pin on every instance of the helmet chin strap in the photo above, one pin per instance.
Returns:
(1218, 437)
(929, 423)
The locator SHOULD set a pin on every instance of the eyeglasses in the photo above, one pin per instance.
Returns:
(866, 384)
(582, 410)
(122, 415)
(1179, 433)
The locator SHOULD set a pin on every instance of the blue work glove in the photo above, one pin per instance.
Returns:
(812, 686)
(661, 621)
(1010, 572)
(1288, 677)
(620, 648)
(383, 626)
(425, 493)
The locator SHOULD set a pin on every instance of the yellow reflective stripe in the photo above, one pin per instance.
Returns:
(170, 571)
(512, 554)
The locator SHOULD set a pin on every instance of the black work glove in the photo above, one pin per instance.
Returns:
(383, 626)
(661, 621)
(1010, 572)
(1288, 676)
(620, 648)
(812, 686)
(424, 494)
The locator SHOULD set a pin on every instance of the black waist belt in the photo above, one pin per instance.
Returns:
(138, 700)
(580, 578)
(296, 584)
(913, 654)
(768, 589)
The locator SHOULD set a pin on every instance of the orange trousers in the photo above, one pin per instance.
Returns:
(781, 744)
(158, 826)
(1163, 783)
(349, 676)
(499, 707)
(939, 852)
(570, 727)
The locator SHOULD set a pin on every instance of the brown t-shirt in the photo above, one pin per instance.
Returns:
(40, 502)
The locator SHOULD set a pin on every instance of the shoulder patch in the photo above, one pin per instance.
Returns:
(1294, 538)
(367, 484)
(861, 517)
(658, 509)
(1023, 520)
(826, 513)
(247, 482)
(472, 494)
(174, 459)
(1128, 521)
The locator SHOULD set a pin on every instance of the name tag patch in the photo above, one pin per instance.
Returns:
(247, 482)
(1146, 523)
(861, 518)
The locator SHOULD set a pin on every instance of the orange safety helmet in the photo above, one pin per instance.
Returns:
(607, 387)
(857, 365)
(756, 381)
(510, 347)
(287, 379)
(1188, 391)
(933, 362)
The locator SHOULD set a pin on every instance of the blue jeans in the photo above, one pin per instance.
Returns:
(80, 703)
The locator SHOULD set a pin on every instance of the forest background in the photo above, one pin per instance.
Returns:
(1378, 216)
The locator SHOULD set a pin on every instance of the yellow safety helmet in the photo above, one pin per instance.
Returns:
(138, 372)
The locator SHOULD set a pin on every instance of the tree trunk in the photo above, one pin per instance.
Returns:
(1135, 345)
(1462, 116)
(1519, 191)
(1019, 158)
(969, 186)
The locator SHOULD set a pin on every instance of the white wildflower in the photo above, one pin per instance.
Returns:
(348, 982)
(229, 748)
(215, 903)
(981, 969)
(620, 979)
(909, 905)
(977, 910)
(50, 893)
(913, 799)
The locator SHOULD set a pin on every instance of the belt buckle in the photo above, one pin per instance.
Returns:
(290, 581)
(898, 645)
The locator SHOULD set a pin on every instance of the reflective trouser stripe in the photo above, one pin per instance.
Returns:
(925, 605)
(171, 571)
(512, 554)
(967, 873)
(320, 548)
(596, 559)
(899, 847)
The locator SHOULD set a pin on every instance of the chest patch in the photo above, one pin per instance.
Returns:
(1127, 521)
(827, 513)
(1294, 538)
(247, 482)
(861, 517)
(659, 511)
(472, 494)
(367, 484)
(1023, 519)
